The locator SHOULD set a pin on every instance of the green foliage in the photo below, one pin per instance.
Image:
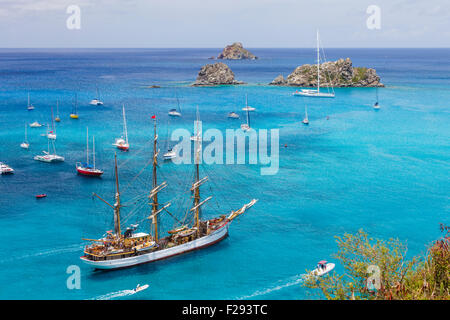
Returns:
(418, 278)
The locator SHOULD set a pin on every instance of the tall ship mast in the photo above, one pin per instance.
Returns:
(119, 249)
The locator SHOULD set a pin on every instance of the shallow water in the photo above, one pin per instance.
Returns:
(385, 171)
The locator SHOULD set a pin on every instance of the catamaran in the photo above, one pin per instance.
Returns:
(246, 126)
(247, 107)
(119, 249)
(305, 119)
(122, 142)
(316, 92)
(96, 101)
(25, 144)
(57, 118)
(29, 106)
(87, 169)
(5, 169)
(47, 156)
(74, 114)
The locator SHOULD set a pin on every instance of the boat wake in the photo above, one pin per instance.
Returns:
(292, 281)
(73, 248)
(114, 295)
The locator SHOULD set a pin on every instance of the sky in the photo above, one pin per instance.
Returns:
(216, 23)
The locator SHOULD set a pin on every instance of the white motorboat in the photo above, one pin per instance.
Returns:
(174, 113)
(35, 125)
(323, 267)
(5, 169)
(140, 288)
(316, 92)
(170, 154)
(233, 115)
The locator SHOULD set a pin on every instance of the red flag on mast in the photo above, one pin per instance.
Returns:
(153, 117)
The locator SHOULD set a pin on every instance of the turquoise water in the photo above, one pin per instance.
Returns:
(386, 171)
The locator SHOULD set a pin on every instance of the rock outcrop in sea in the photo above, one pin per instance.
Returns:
(236, 52)
(340, 73)
(215, 74)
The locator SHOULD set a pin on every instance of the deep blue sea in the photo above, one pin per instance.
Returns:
(385, 171)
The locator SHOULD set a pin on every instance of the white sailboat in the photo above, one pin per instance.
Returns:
(29, 106)
(170, 154)
(96, 101)
(376, 106)
(47, 156)
(122, 142)
(51, 134)
(197, 136)
(175, 112)
(305, 120)
(247, 107)
(246, 126)
(25, 144)
(316, 92)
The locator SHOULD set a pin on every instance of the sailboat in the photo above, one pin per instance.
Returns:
(85, 168)
(376, 106)
(122, 142)
(74, 114)
(57, 118)
(316, 92)
(246, 126)
(25, 144)
(305, 120)
(51, 134)
(118, 249)
(29, 106)
(47, 156)
(175, 112)
(197, 136)
(96, 101)
(247, 107)
(170, 154)
(35, 125)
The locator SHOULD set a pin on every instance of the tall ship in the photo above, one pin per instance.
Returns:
(121, 249)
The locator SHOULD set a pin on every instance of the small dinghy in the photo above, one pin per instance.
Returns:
(140, 288)
(233, 115)
(39, 196)
(323, 267)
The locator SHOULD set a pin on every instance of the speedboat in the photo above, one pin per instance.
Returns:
(140, 288)
(5, 169)
(233, 115)
(40, 196)
(35, 125)
(170, 154)
(96, 102)
(323, 267)
(174, 113)
(47, 157)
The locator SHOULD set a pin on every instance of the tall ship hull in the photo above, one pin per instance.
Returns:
(161, 254)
